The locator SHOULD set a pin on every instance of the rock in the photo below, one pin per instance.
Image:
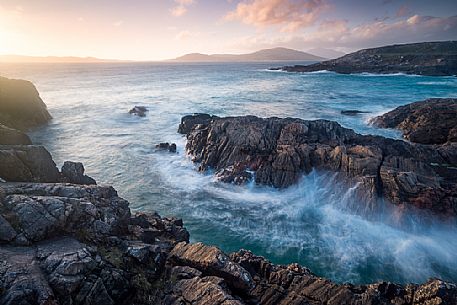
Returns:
(27, 163)
(353, 112)
(20, 105)
(139, 111)
(189, 121)
(211, 261)
(432, 121)
(9, 136)
(167, 146)
(425, 58)
(67, 259)
(277, 152)
(74, 173)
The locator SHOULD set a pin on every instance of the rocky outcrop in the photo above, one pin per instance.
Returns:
(433, 121)
(20, 104)
(73, 172)
(10, 136)
(74, 244)
(27, 163)
(426, 58)
(278, 152)
(189, 121)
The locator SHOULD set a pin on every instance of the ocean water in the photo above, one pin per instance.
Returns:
(313, 223)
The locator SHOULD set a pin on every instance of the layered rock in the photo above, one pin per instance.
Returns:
(74, 244)
(10, 136)
(20, 104)
(432, 121)
(426, 58)
(278, 152)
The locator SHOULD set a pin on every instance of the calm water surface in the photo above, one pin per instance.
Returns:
(309, 223)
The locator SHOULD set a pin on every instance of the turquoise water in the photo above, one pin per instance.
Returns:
(311, 223)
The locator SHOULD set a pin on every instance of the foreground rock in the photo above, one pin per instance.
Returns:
(426, 58)
(73, 244)
(10, 136)
(20, 104)
(433, 121)
(278, 152)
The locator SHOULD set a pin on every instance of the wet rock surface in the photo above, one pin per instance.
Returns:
(278, 152)
(80, 244)
(167, 147)
(433, 121)
(427, 58)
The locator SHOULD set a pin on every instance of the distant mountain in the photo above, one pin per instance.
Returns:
(53, 59)
(424, 58)
(326, 53)
(276, 54)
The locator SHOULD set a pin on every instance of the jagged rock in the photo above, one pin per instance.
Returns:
(9, 136)
(20, 104)
(432, 121)
(167, 146)
(278, 152)
(139, 111)
(189, 121)
(425, 58)
(27, 163)
(211, 261)
(74, 173)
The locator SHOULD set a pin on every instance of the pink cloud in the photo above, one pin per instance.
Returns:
(289, 14)
(181, 7)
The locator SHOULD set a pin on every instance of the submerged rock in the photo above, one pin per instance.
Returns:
(20, 105)
(278, 152)
(167, 146)
(139, 111)
(432, 121)
(353, 112)
(425, 58)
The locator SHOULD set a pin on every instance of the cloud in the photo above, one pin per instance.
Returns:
(402, 11)
(181, 7)
(340, 34)
(291, 15)
(118, 23)
(185, 35)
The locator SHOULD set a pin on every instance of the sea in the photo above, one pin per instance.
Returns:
(311, 223)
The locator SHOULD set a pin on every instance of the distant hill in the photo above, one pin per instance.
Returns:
(53, 59)
(424, 58)
(326, 53)
(275, 54)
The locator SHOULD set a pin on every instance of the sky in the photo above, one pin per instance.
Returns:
(164, 29)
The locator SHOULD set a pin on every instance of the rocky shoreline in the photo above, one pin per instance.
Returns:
(426, 58)
(66, 240)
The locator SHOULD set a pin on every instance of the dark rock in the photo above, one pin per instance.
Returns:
(279, 151)
(27, 163)
(433, 121)
(9, 136)
(189, 121)
(139, 111)
(352, 112)
(167, 146)
(20, 104)
(74, 173)
(425, 58)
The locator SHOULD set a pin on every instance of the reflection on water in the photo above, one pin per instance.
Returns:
(313, 223)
